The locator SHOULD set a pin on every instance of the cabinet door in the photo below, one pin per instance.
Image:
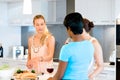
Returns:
(60, 10)
(117, 9)
(99, 11)
(16, 16)
(56, 11)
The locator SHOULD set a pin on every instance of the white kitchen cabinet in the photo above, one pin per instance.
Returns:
(61, 10)
(99, 11)
(53, 11)
(117, 9)
(16, 16)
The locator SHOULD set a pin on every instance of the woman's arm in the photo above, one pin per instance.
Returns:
(51, 47)
(98, 56)
(60, 72)
(29, 49)
(29, 54)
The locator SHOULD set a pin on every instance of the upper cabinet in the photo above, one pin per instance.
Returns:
(101, 12)
(60, 10)
(117, 11)
(53, 11)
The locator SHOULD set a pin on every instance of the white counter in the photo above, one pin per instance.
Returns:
(107, 74)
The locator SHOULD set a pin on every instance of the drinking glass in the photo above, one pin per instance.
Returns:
(50, 69)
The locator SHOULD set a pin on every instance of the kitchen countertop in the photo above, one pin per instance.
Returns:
(107, 74)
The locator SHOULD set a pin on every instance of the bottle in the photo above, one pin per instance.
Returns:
(1, 50)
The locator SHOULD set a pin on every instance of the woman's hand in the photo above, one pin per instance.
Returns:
(50, 78)
(91, 77)
(29, 64)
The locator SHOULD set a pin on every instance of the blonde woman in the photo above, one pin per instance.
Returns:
(40, 46)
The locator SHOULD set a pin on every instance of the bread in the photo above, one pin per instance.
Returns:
(25, 75)
(28, 76)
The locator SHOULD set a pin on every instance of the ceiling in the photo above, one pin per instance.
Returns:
(10, 0)
(17, 0)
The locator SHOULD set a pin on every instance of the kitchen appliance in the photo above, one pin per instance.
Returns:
(1, 50)
(18, 52)
(118, 34)
(112, 57)
(117, 68)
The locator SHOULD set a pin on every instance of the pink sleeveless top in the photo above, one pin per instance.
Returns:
(40, 67)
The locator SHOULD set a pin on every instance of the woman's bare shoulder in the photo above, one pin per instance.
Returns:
(95, 42)
(30, 38)
(51, 37)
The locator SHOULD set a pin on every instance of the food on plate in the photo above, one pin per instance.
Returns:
(32, 71)
(19, 71)
(24, 74)
(28, 76)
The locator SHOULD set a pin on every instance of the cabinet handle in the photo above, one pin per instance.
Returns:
(118, 60)
(93, 21)
(105, 21)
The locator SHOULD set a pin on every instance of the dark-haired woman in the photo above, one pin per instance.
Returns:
(98, 55)
(75, 57)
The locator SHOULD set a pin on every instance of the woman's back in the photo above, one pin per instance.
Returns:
(79, 56)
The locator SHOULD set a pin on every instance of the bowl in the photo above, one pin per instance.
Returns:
(6, 74)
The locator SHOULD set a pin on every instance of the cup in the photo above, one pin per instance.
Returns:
(50, 69)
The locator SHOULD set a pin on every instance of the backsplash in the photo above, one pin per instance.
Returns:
(104, 33)
(106, 36)
(58, 31)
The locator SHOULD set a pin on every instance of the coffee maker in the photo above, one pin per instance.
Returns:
(18, 52)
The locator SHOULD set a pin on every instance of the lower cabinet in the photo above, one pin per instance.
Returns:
(118, 69)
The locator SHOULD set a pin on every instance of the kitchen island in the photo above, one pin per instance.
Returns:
(107, 74)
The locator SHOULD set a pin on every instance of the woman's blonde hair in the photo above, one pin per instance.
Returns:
(46, 32)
